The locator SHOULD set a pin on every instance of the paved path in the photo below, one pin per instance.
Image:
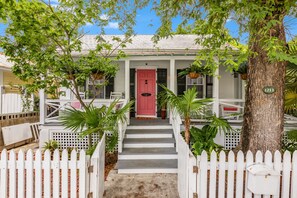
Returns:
(141, 185)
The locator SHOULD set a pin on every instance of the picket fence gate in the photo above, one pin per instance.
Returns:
(226, 176)
(45, 175)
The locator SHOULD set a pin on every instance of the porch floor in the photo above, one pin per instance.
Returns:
(148, 122)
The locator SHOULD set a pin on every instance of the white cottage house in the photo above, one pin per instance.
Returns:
(149, 145)
(149, 64)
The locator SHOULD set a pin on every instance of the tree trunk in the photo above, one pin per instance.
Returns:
(263, 123)
(187, 129)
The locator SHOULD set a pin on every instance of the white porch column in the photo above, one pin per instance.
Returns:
(127, 85)
(1, 92)
(42, 106)
(243, 84)
(172, 76)
(1, 89)
(215, 93)
(172, 81)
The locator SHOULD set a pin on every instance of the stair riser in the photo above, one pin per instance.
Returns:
(136, 171)
(149, 136)
(152, 145)
(140, 157)
(150, 127)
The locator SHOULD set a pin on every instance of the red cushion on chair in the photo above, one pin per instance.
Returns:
(230, 109)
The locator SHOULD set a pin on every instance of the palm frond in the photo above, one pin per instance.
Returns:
(290, 101)
(95, 120)
(73, 119)
(291, 88)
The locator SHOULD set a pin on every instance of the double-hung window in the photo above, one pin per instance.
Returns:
(203, 85)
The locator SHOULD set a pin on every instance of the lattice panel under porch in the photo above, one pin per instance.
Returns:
(72, 140)
(232, 139)
(68, 139)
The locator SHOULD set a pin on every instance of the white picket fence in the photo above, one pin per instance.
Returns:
(36, 175)
(186, 162)
(226, 176)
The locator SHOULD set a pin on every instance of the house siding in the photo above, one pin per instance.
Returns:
(226, 89)
(10, 79)
(119, 81)
(1, 77)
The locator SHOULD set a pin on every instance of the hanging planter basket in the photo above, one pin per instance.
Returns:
(193, 75)
(70, 77)
(243, 76)
(97, 76)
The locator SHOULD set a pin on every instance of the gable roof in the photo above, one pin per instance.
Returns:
(143, 44)
(4, 63)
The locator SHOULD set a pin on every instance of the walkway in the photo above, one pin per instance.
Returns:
(141, 185)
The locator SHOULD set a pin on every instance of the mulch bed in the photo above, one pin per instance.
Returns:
(110, 162)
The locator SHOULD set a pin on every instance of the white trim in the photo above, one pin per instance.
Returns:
(151, 58)
(1, 93)
(147, 156)
(150, 127)
(145, 67)
(127, 80)
(42, 106)
(5, 68)
(148, 145)
(215, 92)
(149, 135)
(172, 81)
(243, 85)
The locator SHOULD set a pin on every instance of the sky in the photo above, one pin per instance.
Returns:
(147, 23)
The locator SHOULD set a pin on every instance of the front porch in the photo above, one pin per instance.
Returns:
(139, 77)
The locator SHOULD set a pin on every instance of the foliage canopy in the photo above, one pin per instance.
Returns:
(44, 41)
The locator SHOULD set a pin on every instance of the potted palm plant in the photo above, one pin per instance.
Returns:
(186, 105)
(194, 71)
(162, 103)
(242, 70)
(96, 120)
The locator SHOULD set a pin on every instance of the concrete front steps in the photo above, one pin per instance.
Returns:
(148, 151)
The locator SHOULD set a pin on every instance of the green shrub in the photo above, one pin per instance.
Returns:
(203, 139)
(290, 143)
(51, 145)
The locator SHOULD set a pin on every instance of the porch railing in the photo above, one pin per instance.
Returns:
(53, 108)
(231, 109)
(176, 125)
(122, 126)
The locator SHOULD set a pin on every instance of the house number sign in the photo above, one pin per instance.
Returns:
(269, 89)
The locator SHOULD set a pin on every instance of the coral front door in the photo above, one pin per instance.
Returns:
(146, 92)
